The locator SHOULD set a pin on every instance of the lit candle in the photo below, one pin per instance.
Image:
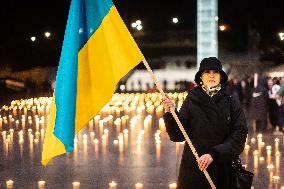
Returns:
(276, 143)
(261, 159)
(161, 124)
(255, 164)
(4, 135)
(41, 184)
(275, 179)
(270, 167)
(172, 186)
(259, 137)
(158, 150)
(91, 123)
(115, 142)
(262, 144)
(138, 186)
(268, 151)
(112, 185)
(1, 123)
(92, 134)
(106, 131)
(76, 185)
(9, 184)
(42, 132)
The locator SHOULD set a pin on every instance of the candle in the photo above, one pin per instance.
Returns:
(115, 142)
(9, 184)
(276, 144)
(76, 185)
(261, 159)
(161, 124)
(255, 80)
(259, 137)
(112, 185)
(138, 186)
(0, 123)
(275, 179)
(268, 151)
(173, 186)
(270, 167)
(158, 150)
(41, 184)
(255, 164)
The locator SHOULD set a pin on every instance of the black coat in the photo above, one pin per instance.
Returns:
(215, 125)
(260, 100)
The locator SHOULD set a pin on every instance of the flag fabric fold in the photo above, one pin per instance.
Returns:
(97, 52)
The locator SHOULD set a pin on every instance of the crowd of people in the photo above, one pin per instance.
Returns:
(263, 99)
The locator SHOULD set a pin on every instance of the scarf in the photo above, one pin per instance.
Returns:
(211, 91)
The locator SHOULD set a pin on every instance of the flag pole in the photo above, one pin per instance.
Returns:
(154, 78)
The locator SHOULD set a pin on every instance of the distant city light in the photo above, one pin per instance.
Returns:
(137, 24)
(222, 28)
(47, 34)
(134, 25)
(122, 87)
(216, 18)
(33, 38)
(175, 20)
(281, 35)
(139, 27)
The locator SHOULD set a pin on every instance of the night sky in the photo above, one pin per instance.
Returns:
(22, 19)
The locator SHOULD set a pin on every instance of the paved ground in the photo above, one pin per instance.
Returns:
(126, 158)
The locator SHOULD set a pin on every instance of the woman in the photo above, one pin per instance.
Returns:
(216, 125)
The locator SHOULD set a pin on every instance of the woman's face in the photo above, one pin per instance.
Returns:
(210, 78)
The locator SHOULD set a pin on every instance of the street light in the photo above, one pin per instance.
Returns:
(137, 24)
(281, 35)
(134, 25)
(222, 28)
(139, 27)
(47, 34)
(175, 20)
(33, 38)
(216, 18)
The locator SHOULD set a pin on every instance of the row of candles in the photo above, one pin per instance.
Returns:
(76, 185)
(132, 107)
(258, 157)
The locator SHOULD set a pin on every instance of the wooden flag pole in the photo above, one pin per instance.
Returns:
(154, 78)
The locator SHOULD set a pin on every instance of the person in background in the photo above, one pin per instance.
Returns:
(260, 105)
(273, 108)
(280, 101)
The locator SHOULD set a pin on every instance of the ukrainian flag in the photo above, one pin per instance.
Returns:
(97, 52)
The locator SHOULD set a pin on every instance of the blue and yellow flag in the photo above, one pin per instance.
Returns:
(97, 52)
